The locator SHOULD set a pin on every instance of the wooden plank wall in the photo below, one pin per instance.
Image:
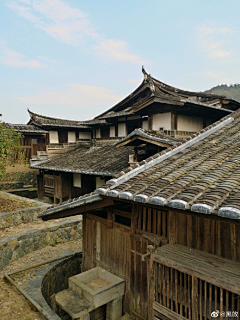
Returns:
(138, 279)
(210, 235)
(111, 246)
(113, 251)
(215, 236)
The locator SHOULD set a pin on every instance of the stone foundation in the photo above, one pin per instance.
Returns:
(15, 180)
(8, 219)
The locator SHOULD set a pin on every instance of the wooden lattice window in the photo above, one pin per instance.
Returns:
(153, 221)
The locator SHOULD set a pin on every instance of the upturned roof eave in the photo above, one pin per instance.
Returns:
(139, 89)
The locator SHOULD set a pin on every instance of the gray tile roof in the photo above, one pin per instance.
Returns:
(106, 160)
(25, 128)
(45, 121)
(158, 91)
(155, 137)
(201, 175)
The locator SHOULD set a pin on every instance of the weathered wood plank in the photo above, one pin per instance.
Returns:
(166, 312)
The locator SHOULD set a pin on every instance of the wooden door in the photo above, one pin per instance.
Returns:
(138, 278)
(58, 187)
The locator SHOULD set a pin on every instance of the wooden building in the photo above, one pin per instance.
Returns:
(83, 170)
(170, 227)
(62, 135)
(33, 138)
(156, 106)
(80, 171)
(146, 143)
(152, 106)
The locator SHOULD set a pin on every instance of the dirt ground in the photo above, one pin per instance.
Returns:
(13, 305)
(8, 204)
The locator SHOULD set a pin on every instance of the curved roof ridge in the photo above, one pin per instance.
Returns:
(123, 100)
(32, 114)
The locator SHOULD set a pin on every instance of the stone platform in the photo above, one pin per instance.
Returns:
(90, 290)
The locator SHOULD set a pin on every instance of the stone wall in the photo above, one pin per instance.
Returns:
(15, 180)
(56, 279)
(8, 219)
(21, 244)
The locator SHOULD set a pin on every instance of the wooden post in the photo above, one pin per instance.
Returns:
(31, 147)
(195, 298)
(172, 227)
(150, 278)
(133, 218)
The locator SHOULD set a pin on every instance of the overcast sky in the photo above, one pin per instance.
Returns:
(74, 59)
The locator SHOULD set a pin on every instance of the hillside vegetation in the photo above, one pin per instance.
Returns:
(232, 91)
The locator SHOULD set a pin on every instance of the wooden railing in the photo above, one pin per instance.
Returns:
(174, 133)
(180, 295)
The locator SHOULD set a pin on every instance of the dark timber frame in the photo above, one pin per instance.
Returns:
(117, 237)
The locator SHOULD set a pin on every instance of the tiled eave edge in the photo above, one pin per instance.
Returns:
(80, 126)
(96, 173)
(226, 212)
(71, 204)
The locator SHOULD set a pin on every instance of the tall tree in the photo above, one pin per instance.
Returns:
(10, 149)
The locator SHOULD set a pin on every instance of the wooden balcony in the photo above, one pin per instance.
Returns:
(190, 284)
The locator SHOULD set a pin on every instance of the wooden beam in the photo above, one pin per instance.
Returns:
(122, 213)
(80, 210)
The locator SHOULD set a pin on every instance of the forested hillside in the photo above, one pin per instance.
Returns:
(232, 91)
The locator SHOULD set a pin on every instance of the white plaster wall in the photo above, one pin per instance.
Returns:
(161, 120)
(122, 130)
(145, 124)
(71, 137)
(84, 135)
(53, 136)
(99, 182)
(112, 132)
(77, 182)
(98, 133)
(189, 123)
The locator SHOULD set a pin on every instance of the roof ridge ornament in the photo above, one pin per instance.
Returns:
(144, 73)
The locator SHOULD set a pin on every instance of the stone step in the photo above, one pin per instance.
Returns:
(72, 303)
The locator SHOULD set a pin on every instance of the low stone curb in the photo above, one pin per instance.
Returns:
(17, 246)
(30, 214)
